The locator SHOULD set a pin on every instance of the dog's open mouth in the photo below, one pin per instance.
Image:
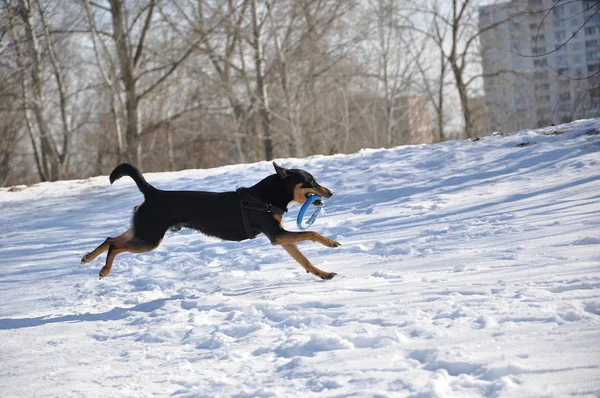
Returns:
(317, 202)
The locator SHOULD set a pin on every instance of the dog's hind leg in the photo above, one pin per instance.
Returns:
(133, 245)
(124, 237)
(293, 250)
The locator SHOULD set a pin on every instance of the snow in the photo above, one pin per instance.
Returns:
(467, 269)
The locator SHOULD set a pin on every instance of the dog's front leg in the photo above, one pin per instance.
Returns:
(287, 237)
(293, 250)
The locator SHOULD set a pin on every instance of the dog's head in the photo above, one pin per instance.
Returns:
(302, 184)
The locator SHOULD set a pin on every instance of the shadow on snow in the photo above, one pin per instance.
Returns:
(112, 315)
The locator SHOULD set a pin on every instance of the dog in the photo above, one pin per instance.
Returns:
(235, 215)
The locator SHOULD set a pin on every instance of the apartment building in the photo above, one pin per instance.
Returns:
(414, 120)
(541, 62)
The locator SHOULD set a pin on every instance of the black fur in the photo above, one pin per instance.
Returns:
(214, 214)
(217, 214)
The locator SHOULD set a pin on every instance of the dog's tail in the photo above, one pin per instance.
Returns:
(126, 169)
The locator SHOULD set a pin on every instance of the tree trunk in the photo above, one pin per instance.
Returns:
(440, 107)
(133, 122)
(49, 153)
(261, 86)
(110, 82)
(296, 142)
(458, 67)
(62, 93)
(464, 101)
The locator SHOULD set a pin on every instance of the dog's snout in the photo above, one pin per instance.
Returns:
(326, 192)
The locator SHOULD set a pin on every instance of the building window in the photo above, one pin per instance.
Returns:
(590, 31)
(591, 43)
(577, 59)
(562, 60)
(558, 11)
(592, 55)
(562, 71)
(593, 68)
(562, 35)
(540, 37)
(564, 85)
(576, 46)
(559, 23)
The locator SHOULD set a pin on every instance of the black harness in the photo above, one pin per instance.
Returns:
(249, 202)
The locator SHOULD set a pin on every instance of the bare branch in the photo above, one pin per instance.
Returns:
(140, 46)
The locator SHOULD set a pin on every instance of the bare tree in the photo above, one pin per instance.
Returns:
(305, 49)
(456, 34)
(109, 75)
(290, 107)
(25, 31)
(11, 128)
(219, 26)
(261, 85)
(140, 74)
(396, 70)
(431, 83)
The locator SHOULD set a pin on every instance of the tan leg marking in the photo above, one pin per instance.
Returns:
(131, 246)
(288, 237)
(305, 263)
(124, 237)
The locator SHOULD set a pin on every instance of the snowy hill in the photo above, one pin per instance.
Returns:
(467, 269)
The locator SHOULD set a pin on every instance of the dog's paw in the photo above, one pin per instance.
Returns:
(331, 243)
(328, 275)
(84, 259)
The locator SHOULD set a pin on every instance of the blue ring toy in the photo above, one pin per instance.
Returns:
(305, 207)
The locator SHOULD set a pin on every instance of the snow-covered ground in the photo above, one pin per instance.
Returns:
(467, 269)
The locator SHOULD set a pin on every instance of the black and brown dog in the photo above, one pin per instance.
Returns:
(236, 215)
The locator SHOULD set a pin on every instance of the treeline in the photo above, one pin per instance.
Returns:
(169, 85)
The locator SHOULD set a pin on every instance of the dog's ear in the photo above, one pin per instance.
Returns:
(281, 172)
